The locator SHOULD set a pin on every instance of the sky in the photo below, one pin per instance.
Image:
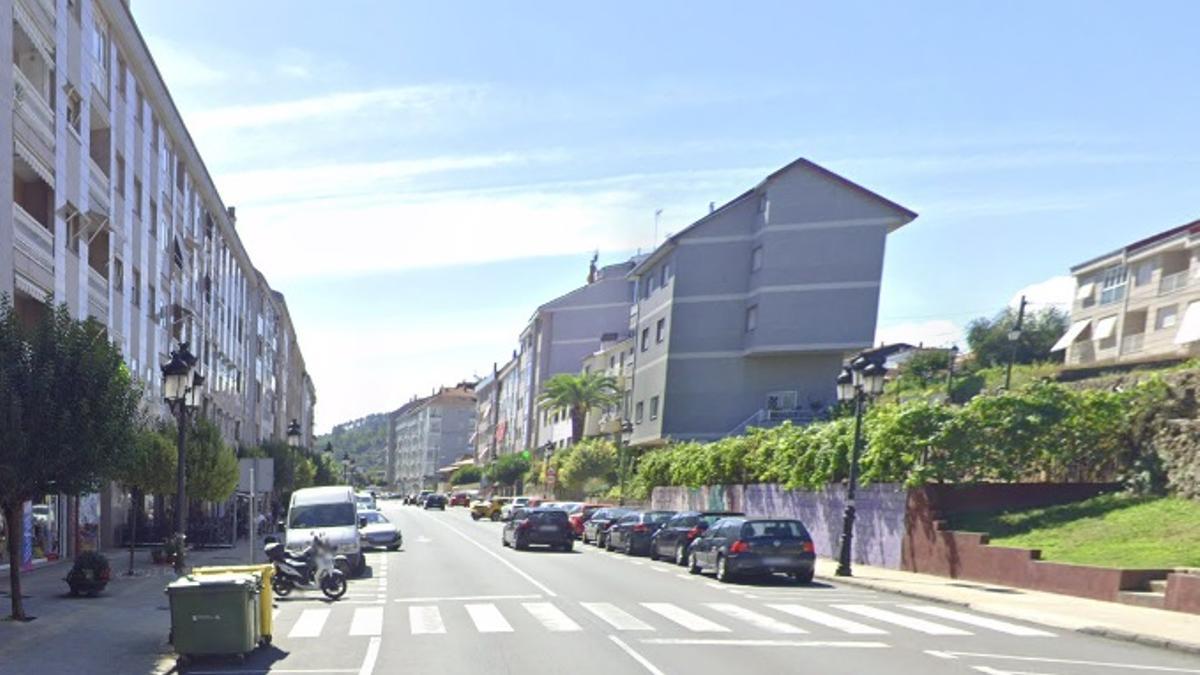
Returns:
(417, 178)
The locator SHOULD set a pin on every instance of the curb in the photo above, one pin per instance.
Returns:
(1096, 631)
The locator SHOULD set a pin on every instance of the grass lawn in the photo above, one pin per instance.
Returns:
(1115, 530)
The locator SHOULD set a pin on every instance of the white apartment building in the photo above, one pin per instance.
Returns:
(430, 433)
(1138, 303)
(106, 205)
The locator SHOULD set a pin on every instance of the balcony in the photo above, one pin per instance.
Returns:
(40, 15)
(32, 109)
(98, 187)
(32, 239)
(1173, 282)
(97, 295)
(1132, 343)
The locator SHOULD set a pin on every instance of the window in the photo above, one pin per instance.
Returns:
(137, 198)
(121, 76)
(645, 339)
(139, 113)
(1143, 273)
(756, 259)
(1112, 285)
(153, 298)
(666, 274)
(119, 177)
(118, 275)
(74, 6)
(135, 293)
(653, 407)
(612, 362)
(100, 45)
(660, 330)
(1166, 317)
(74, 110)
(638, 412)
(751, 318)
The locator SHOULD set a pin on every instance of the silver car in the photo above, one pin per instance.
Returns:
(376, 531)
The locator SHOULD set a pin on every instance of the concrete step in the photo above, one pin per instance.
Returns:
(1149, 599)
(1158, 585)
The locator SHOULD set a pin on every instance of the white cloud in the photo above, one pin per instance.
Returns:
(1053, 292)
(932, 333)
(182, 68)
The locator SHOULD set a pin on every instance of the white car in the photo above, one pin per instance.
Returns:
(516, 503)
(331, 513)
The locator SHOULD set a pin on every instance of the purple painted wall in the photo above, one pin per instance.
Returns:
(878, 528)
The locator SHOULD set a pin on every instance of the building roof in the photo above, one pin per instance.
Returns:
(669, 243)
(1177, 231)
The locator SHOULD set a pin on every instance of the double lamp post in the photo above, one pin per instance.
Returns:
(859, 381)
(182, 391)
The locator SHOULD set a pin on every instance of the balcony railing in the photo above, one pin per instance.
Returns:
(1132, 343)
(97, 286)
(32, 107)
(98, 184)
(1173, 282)
(33, 239)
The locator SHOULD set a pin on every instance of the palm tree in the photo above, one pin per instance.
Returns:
(578, 394)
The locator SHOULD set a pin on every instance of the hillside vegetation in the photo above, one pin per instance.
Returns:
(366, 441)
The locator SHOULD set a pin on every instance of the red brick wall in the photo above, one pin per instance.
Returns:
(1183, 592)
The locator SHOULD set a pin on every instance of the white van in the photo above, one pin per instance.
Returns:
(330, 512)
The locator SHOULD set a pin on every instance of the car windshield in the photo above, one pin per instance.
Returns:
(321, 515)
(778, 529)
(552, 516)
(375, 517)
(657, 516)
(709, 519)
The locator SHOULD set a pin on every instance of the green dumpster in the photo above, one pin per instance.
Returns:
(215, 614)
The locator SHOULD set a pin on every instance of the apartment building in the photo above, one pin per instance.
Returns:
(1137, 303)
(106, 205)
(430, 433)
(749, 312)
(614, 359)
(499, 418)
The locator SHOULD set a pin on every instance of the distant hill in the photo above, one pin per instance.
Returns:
(364, 438)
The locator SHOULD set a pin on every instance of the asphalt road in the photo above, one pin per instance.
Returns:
(453, 601)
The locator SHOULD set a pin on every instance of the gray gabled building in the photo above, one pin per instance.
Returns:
(744, 317)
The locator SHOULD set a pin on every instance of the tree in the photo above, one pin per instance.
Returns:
(578, 394)
(328, 472)
(589, 462)
(508, 469)
(926, 364)
(68, 410)
(212, 466)
(149, 469)
(465, 475)
(304, 474)
(988, 338)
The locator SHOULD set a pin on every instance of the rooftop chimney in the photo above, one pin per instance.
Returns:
(232, 211)
(712, 206)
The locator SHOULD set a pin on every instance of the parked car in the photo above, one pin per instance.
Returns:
(435, 501)
(489, 508)
(378, 532)
(365, 501)
(672, 540)
(460, 499)
(580, 514)
(538, 527)
(517, 503)
(595, 531)
(736, 547)
(631, 534)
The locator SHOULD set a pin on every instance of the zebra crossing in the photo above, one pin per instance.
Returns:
(423, 620)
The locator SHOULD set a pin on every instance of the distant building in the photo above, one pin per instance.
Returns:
(744, 317)
(614, 359)
(430, 433)
(1137, 303)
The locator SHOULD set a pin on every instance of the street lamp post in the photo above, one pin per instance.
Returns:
(861, 379)
(347, 466)
(294, 435)
(952, 356)
(547, 450)
(622, 450)
(181, 390)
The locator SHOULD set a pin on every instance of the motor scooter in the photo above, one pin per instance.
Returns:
(316, 567)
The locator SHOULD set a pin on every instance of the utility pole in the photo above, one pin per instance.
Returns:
(1014, 336)
(657, 216)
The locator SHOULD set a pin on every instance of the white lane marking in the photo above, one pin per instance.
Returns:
(552, 618)
(368, 664)
(645, 663)
(425, 620)
(1073, 662)
(322, 671)
(755, 619)
(424, 540)
(469, 598)
(488, 618)
(715, 642)
(499, 557)
(690, 621)
(826, 619)
(615, 617)
(689, 577)
(309, 624)
(981, 621)
(941, 655)
(661, 569)
(367, 621)
(902, 620)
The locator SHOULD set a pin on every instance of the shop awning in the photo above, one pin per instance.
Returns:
(1105, 328)
(1085, 291)
(1189, 328)
(30, 158)
(1071, 335)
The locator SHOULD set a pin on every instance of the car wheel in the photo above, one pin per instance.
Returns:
(804, 577)
(519, 545)
(653, 552)
(394, 547)
(680, 554)
(568, 547)
(628, 547)
(693, 564)
(474, 516)
(723, 574)
(495, 517)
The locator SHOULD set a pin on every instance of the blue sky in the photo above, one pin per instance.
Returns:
(418, 177)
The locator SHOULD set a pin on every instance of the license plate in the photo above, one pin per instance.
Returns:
(547, 528)
(777, 560)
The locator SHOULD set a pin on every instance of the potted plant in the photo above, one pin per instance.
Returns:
(90, 574)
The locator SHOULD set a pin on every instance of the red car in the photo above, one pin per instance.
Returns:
(460, 499)
(579, 516)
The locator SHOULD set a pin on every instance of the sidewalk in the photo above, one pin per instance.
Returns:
(1155, 627)
(125, 628)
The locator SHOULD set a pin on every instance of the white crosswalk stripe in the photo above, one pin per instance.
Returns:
(425, 620)
(553, 618)
(615, 617)
(767, 623)
(830, 620)
(688, 620)
(902, 620)
(488, 619)
(367, 621)
(980, 621)
(310, 624)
